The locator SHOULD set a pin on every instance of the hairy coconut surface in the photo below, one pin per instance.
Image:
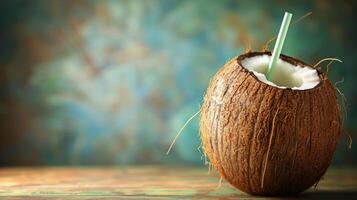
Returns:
(269, 138)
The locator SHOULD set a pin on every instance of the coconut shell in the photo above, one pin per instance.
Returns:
(266, 140)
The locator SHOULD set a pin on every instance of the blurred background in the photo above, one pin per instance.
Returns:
(111, 82)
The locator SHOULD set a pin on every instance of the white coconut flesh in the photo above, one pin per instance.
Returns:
(285, 74)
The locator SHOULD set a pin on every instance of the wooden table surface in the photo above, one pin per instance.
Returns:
(148, 182)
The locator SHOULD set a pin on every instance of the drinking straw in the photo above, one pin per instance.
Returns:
(279, 45)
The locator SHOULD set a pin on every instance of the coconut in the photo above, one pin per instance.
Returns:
(274, 137)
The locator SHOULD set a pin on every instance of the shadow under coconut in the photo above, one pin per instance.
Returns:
(328, 195)
(309, 195)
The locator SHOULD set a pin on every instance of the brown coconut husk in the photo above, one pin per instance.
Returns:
(266, 140)
(273, 124)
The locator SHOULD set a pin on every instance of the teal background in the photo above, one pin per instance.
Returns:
(111, 82)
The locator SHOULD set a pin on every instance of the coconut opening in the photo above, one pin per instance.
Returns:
(286, 75)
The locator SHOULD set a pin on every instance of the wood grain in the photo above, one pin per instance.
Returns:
(146, 182)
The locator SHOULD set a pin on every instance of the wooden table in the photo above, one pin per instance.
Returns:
(148, 182)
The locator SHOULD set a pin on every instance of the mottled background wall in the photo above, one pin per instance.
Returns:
(111, 82)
